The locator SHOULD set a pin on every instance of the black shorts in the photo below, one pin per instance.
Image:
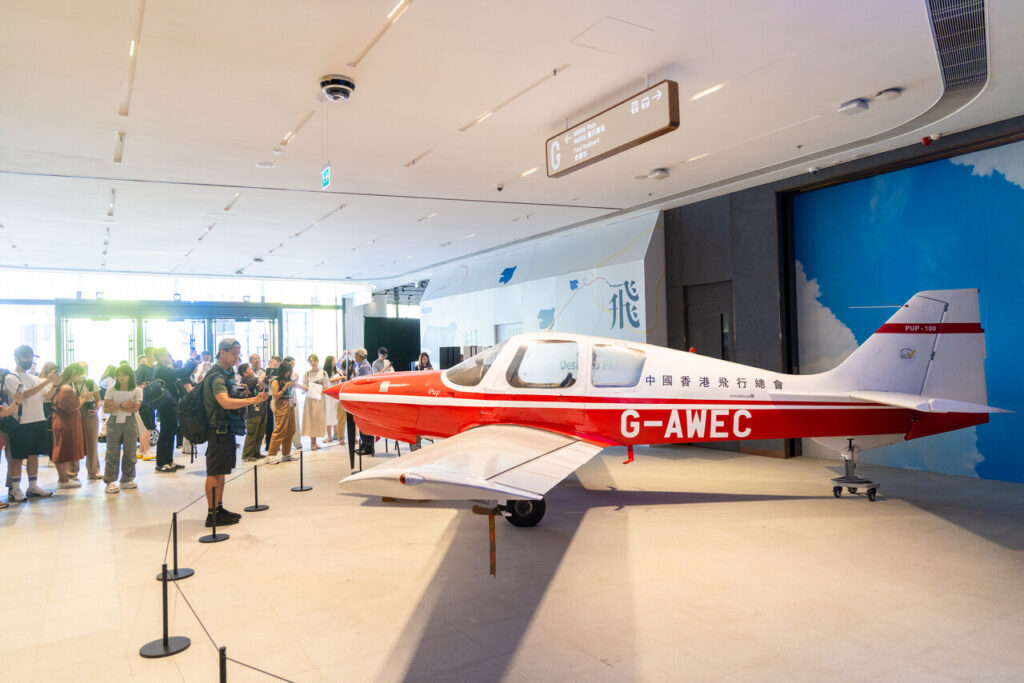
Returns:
(148, 418)
(29, 439)
(220, 452)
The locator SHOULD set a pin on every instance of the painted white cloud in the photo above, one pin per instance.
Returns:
(1008, 160)
(824, 341)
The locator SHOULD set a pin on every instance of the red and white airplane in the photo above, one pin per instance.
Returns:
(522, 415)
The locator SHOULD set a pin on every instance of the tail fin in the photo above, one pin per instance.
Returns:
(933, 346)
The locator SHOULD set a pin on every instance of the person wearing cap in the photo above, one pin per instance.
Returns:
(28, 439)
(218, 387)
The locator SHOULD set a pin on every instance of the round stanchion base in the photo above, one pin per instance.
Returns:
(176, 574)
(157, 649)
(302, 488)
(214, 538)
(256, 508)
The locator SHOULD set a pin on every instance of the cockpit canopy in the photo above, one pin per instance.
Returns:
(554, 364)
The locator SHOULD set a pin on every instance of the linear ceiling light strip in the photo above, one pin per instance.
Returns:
(320, 220)
(390, 20)
(493, 110)
(133, 55)
(290, 135)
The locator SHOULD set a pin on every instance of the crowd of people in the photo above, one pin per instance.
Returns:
(58, 414)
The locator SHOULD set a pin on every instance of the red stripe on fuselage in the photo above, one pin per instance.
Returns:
(930, 328)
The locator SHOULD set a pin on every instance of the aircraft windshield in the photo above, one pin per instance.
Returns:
(471, 371)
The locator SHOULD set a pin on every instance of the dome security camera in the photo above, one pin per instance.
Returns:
(500, 187)
(337, 88)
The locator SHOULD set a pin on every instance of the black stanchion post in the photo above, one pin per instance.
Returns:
(168, 645)
(214, 537)
(301, 486)
(223, 665)
(256, 507)
(176, 573)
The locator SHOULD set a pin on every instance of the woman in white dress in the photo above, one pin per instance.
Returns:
(330, 403)
(313, 415)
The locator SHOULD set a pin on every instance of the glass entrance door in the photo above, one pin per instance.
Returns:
(180, 337)
(99, 342)
(255, 336)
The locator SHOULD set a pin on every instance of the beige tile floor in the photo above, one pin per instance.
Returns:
(688, 564)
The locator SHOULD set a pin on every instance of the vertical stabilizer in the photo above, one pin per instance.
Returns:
(933, 346)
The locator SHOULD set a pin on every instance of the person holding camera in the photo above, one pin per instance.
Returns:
(27, 441)
(167, 410)
(222, 399)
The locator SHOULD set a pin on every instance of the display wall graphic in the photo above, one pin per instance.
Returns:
(954, 223)
(593, 280)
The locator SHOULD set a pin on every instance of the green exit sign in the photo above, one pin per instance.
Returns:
(325, 177)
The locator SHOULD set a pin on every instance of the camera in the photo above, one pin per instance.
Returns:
(812, 169)
(500, 187)
(337, 88)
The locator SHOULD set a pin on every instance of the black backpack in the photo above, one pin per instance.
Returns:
(193, 422)
(9, 423)
(156, 396)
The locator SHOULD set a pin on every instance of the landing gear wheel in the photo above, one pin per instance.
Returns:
(852, 489)
(871, 495)
(525, 512)
(837, 491)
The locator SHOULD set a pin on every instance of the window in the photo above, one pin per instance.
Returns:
(544, 365)
(471, 371)
(616, 366)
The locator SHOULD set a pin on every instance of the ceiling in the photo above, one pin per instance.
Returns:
(214, 87)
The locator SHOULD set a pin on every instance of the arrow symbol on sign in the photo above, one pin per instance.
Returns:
(657, 95)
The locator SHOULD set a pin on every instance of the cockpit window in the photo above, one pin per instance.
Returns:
(471, 371)
(544, 365)
(616, 366)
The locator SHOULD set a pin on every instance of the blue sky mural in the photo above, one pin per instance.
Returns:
(955, 223)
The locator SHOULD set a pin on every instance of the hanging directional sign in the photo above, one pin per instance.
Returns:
(635, 120)
(325, 177)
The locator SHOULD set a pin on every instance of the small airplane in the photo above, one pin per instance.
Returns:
(519, 417)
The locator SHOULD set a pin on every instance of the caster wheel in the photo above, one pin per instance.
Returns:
(871, 494)
(852, 489)
(837, 491)
(525, 512)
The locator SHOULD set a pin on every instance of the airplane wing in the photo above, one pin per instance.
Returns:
(924, 404)
(494, 461)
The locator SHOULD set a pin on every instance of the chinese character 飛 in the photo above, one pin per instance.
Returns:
(723, 383)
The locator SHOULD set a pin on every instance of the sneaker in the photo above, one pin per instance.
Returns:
(288, 458)
(221, 509)
(15, 495)
(221, 519)
(37, 492)
(4, 506)
(69, 484)
(273, 459)
(177, 466)
(112, 487)
(147, 456)
(95, 476)
(166, 469)
(129, 485)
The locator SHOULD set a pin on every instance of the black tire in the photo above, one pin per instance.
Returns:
(852, 489)
(525, 512)
(837, 491)
(871, 495)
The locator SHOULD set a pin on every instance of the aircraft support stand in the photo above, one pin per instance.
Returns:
(850, 480)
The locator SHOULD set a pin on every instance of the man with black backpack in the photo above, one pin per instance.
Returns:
(171, 379)
(219, 391)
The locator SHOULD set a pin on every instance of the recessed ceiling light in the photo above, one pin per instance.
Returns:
(528, 172)
(854, 106)
(427, 217)
(699, 156)
(264, 164)
(705, 93)
(131, 49)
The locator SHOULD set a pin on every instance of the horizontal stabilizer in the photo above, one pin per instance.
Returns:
(923, 404)
(491, 462)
